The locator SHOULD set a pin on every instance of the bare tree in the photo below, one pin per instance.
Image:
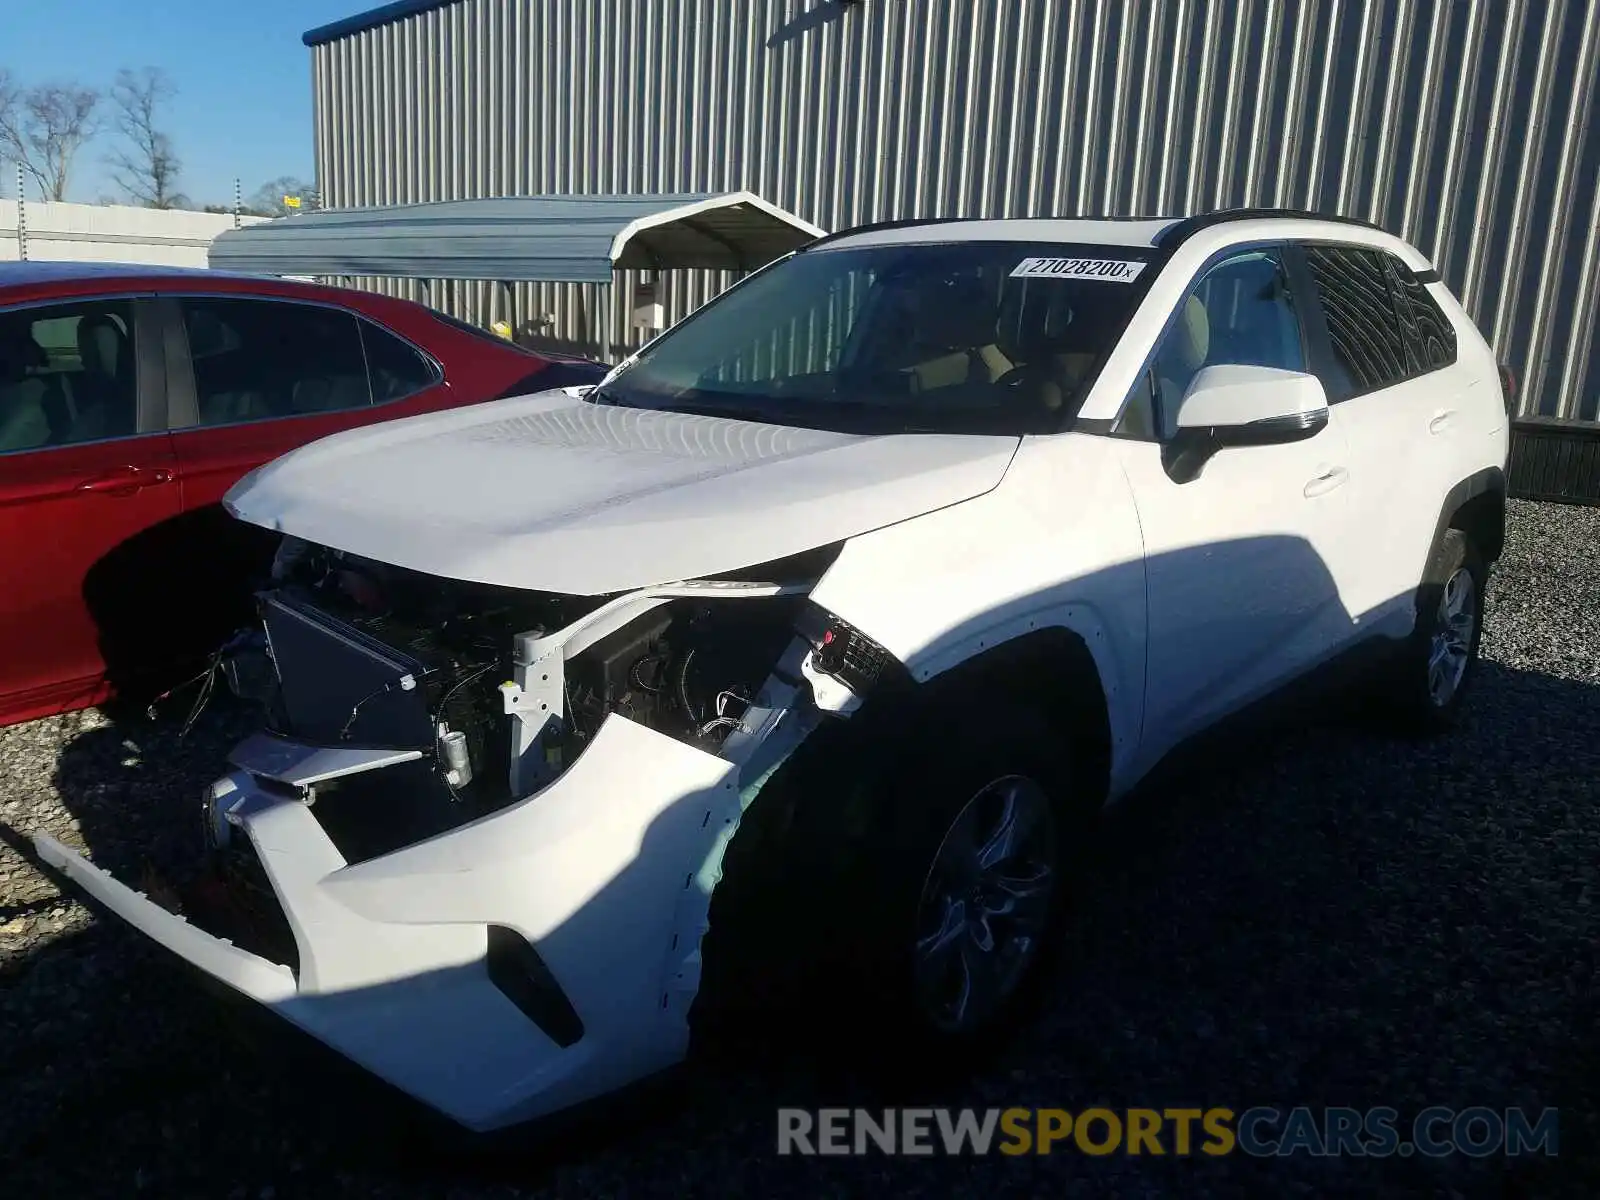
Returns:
(42, 129)
(271, 198)
(146, 168)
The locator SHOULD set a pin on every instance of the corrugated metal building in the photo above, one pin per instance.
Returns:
(1463, 125)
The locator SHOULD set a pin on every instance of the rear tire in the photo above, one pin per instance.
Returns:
(827, 923)
(1430, 681)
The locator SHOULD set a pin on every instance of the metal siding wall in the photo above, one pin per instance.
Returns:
(1463, 125)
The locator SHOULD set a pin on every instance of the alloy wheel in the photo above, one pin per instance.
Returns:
(986, 903)
(1453, 630)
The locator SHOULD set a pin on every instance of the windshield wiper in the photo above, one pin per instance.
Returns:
(834, 415)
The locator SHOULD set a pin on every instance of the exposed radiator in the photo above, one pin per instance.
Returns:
(340, 686)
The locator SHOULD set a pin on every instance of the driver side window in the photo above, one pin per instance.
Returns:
(1242, 312)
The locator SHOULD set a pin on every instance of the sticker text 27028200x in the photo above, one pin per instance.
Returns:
(1109, 269)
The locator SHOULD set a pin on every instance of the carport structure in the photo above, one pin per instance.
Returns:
(515, 239)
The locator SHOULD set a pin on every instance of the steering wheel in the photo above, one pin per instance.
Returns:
(1026, 382)
(1022, 374)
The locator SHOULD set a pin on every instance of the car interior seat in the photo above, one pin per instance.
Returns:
(1262, 328)
(1046, 328)
(24, 416)
(1183, 352)
(1138, 415)
(103, 392)
(225, 408)
(330, 393)
(959, 321)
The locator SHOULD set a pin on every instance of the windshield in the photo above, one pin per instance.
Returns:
(969, 337)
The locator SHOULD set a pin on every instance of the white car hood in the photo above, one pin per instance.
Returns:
(550, 493)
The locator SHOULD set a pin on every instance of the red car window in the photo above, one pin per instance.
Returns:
(67, 374)
(397, 369)
(259, 359)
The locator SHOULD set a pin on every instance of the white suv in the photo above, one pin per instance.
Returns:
(799, 655)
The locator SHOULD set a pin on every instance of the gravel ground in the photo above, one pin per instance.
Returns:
(1338, 920)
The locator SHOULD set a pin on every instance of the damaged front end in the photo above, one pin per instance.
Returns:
(493, 692)
(481, 828)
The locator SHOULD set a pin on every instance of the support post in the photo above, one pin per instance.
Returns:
(606, 303)
(22, 215)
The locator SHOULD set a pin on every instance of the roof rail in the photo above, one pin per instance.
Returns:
(1175, 235)
(913, 222)
(874, 226)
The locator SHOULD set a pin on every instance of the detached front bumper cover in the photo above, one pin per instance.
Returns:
(606, 874)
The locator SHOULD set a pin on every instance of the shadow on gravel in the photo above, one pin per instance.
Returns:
(1311, 915)
(154, 626)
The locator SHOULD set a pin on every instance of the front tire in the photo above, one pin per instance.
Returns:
(1439, 661)
(909, 910)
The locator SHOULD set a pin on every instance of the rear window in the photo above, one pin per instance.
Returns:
(1431, 335)
(258, 359)
(397, 369)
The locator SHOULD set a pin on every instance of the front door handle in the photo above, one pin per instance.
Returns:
(125, 481)
(1324, 483)
(1441, 421)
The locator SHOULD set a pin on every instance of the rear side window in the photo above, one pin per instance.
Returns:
(1370, 347)
(260, 359)
(1430, 334)
(67, 374)
(397, 368)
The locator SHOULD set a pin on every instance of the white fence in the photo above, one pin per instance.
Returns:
(109, 233)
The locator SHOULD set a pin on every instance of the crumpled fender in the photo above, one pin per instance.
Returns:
(1056, 544)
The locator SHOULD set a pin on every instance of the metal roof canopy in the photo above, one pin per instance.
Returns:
(565, 239)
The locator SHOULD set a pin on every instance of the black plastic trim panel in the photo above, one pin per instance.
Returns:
(1555, 459)
(517, 970)
(1172, 238)
(1488, 480)
(878, 226)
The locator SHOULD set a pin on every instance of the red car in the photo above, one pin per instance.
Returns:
(132, 398)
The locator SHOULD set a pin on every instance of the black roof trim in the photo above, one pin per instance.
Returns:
(1173, 237)
(913, 222)
(370, 19)
(875, 226)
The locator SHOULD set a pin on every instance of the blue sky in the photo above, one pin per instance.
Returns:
(244, 79)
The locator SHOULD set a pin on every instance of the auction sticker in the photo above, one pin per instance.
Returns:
(1109, 269)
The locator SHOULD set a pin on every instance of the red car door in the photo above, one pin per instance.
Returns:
(87, 471)
(253, 377)
(258, 376)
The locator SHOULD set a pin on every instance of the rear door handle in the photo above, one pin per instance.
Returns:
(125, 481)
(1324, 483)
(1441, 421)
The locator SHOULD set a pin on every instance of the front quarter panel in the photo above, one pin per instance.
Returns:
(1057, 544)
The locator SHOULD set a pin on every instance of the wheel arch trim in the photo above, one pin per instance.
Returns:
(939, 664)
(1490, 481)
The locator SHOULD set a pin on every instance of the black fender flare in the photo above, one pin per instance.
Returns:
(1490, 481)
